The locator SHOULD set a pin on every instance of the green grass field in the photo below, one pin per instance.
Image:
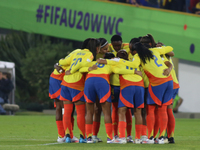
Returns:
(39, 132)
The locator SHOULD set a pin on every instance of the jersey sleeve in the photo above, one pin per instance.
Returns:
(67, 60)
(163, 49)
(84, 69)
(82, 62)
(118, 70)
(133, 64)
(114, 61)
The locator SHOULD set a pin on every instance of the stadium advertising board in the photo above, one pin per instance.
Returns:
(80, 19)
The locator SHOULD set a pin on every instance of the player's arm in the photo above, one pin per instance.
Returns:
(170, 54)
(67, 60)
(132, 64)
(83, 62)
(167, 71)
(118, 70)
(88, 69)
(163, 49)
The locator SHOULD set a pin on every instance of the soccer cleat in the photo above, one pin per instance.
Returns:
(137, 141)
(95, 138)
(143, 138)
(166, 140)
(74, 140)
(68, 140)
(90, 140)
(109, 141)
(171, 140)
(148, 141)
(129, 139)
(116, 137)
(160, 140)
(61, 140)
(82, 140)
(120, 141)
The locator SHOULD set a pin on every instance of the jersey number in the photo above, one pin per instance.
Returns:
(75, 61)
(155, 60)
(100, 65)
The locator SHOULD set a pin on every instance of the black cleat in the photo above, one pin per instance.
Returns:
(171, 140)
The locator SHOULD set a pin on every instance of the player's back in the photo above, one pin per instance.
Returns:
(154, 69)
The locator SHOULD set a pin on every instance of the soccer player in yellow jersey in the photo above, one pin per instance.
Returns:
(149, 41)
(54, 93)
(115, 92)
(97, 105)
(55, 80)
(97, 84)
(131, 96)
(73, 86)
(146, 84)
(160, 85)
(171, 119)
(117, 44)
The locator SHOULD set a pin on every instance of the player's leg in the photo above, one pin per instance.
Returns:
(89, 121)
(171, 119)
(162, 110)
(65, 96)
(129, 125)
(125, 101)
(138, 105)
(104, 93)
(106, 108)
(90, 97)
(96, 120)
(144, 113)
(115, 118)
(59, 121)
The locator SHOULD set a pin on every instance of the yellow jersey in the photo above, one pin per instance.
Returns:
(102, 71)
(76, 79)
(173, 73)
(153, 68)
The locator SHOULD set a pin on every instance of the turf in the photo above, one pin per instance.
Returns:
(39, 132)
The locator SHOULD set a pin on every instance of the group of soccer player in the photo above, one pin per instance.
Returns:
(114, 78)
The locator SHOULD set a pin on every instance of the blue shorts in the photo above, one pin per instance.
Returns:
(54, 88)
(69, 94)
(175, 92)
(115, 91)
(97, 86)
(161, 94)
(132, 97)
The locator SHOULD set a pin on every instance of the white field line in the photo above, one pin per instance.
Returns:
(30, 145)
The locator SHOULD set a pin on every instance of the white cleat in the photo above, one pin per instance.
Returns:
(90, 140)
(138, 141)
(120, 141)
(143, 138)
(95, 138)
(148, 141)
(74, 140)
(129, 139)
(166, 140)
(160, 141)
(109, 141)
(61, 140)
